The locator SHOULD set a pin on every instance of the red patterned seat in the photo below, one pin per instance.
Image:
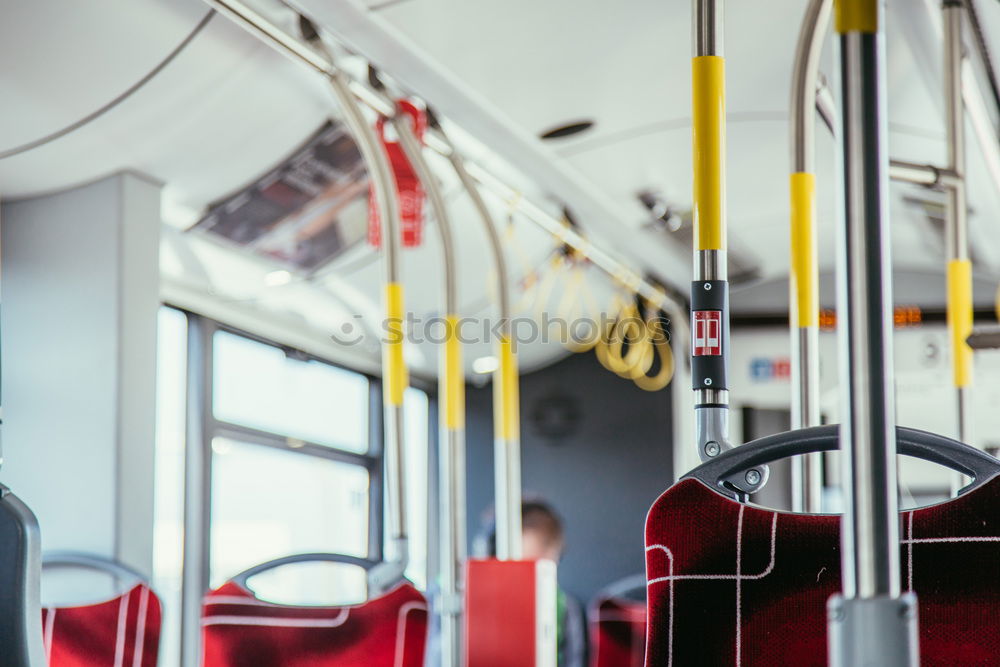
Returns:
(239, 630)
(120, 632)
(617, 633)
(735, 584)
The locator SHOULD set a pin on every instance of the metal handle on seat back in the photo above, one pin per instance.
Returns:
(911, 442)
(92, 562)
(622, 587)
(381, 575)
(363, 563)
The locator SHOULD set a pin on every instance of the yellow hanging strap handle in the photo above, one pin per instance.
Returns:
(583, 306)
(607, 351)
(544, 287)
(396, 378)
(960, 319)
(454, 385)
(508, 423)
(660, 343)
(804, 274)
(631, 329)
(709, 142)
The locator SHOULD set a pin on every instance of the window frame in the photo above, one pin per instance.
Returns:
(216, 428)
(203, 427)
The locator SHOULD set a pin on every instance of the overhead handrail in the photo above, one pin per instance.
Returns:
(451, 401)
(282, 41)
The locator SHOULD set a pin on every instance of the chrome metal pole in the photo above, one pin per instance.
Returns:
(507, 441)
(871, 535)
(807, 471)
(198, 428)
(805, 75)
(711, 393)
(922, 174)
(385, 195)
(710, 288)
(870, 623)
(959, 267)
(451, 455)
(708, 27)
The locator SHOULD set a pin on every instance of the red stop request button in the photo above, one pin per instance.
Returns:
(707, 339)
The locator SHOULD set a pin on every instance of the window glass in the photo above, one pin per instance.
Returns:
(168, 507)
(415, 458)
(268, 503)
(257, 385)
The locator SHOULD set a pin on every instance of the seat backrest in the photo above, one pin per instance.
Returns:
(617, 632)
(20, 574)
(731, 583)
(240, 630)
(124, 630)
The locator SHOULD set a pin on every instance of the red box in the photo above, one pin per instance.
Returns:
(510, 613)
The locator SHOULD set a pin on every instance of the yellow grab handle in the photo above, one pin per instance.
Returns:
(856, 16)
(708, 114)
(960, 319)
(507, 419)
(804, 282)
(396, 378)
(454, 385)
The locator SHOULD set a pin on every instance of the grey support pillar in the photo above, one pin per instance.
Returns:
(80, 299)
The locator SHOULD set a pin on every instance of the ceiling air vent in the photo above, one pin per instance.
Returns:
(567, 129)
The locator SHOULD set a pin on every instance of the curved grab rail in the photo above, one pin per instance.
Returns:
(952, 454)
(364, 563)
(94, 562)
(624, 586)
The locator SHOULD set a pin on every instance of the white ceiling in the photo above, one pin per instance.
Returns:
(228, 108)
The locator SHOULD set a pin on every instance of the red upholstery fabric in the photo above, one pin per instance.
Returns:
(617, 633)
(121, 632)
(239, 630)
(733, 584)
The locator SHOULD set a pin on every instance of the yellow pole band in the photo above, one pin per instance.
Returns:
(804, 274)
(507, 420)
(856, 16)
(394, 367)
(708, 129)
(960, 319)
(454, 385)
